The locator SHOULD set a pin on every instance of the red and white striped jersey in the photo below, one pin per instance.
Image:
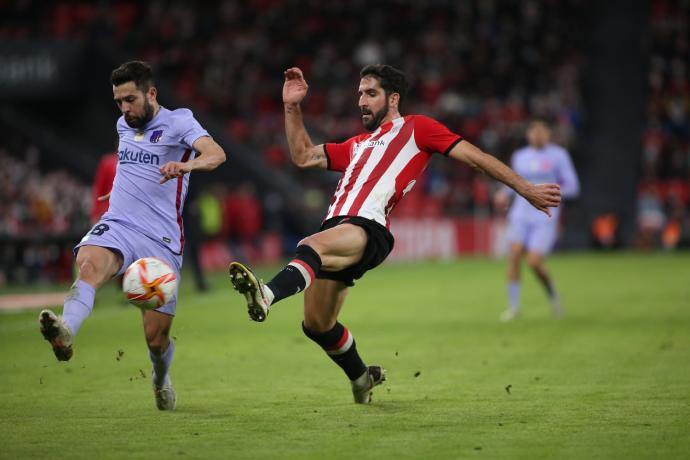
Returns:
(381, 167)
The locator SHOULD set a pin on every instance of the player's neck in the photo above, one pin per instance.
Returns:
(156, 109)
(390, 117)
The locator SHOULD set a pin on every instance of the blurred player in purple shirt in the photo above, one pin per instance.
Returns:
(158, 148)
(530, 231)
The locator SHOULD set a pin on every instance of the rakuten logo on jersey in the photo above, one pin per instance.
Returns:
(128, 156)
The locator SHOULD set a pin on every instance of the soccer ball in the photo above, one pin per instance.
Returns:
(149, 283)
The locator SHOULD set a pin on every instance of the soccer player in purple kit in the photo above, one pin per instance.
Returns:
(530, 231)
(158, 148)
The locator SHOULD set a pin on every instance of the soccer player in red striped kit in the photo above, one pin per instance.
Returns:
(379, 168)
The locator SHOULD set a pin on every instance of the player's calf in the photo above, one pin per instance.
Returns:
(56, 332)
(340, 346)
(296, 276)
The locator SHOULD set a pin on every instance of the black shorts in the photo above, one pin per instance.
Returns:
(379, 245)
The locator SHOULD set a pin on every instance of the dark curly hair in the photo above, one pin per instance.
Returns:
(391, 79)
(137, 71)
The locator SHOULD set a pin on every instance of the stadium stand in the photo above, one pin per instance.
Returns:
(42, 213)
(664, 203)
(221, 62)
(483, 68)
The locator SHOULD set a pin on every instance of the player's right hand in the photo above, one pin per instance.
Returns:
(174, 169)
(544, 196)
(295, 87)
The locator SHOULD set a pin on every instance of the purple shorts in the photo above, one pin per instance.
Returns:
(538, 237)
(131, 245)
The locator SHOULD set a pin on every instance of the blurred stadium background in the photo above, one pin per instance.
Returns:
(613, 77)
(609, 381)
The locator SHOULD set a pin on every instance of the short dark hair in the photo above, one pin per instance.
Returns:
(543, 119)
(137, 71)
(391, 79)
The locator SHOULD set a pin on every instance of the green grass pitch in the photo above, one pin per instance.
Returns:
(610, 380)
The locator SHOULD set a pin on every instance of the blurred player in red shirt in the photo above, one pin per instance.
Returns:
(102, 184)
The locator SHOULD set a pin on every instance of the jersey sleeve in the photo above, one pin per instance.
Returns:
(434, 137)
(188, 129)
(338, 155)
(120, 126)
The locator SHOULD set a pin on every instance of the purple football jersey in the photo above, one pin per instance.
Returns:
(550, 164)
(138, 199)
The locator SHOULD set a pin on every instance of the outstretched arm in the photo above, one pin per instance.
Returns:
(211, 155)
(303, 152)
(541, 196)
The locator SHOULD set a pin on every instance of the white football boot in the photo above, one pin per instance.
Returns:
(361, 388)
(166, 398)
(510, 315)
(56, 332)
(247, 283)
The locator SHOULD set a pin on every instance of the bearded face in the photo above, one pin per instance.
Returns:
(138, 121)
(373, 103)
(373, 120)
(134, 104)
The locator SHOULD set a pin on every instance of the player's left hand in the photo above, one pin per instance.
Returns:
(501, 201)
(544, 196)
(174, 169)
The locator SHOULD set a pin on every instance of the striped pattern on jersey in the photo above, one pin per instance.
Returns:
(384, 165)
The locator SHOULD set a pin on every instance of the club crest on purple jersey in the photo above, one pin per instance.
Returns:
(156, 136)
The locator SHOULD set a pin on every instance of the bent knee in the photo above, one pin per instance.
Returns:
(514, 258)
(96, 266)
(318, 324)
(534, 261)
(89, 268)
(313, 242)
(157, 343)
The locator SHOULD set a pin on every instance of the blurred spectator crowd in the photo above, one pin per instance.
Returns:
(482, 67)
(664, 195)
(35, 203)
(41, 215)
